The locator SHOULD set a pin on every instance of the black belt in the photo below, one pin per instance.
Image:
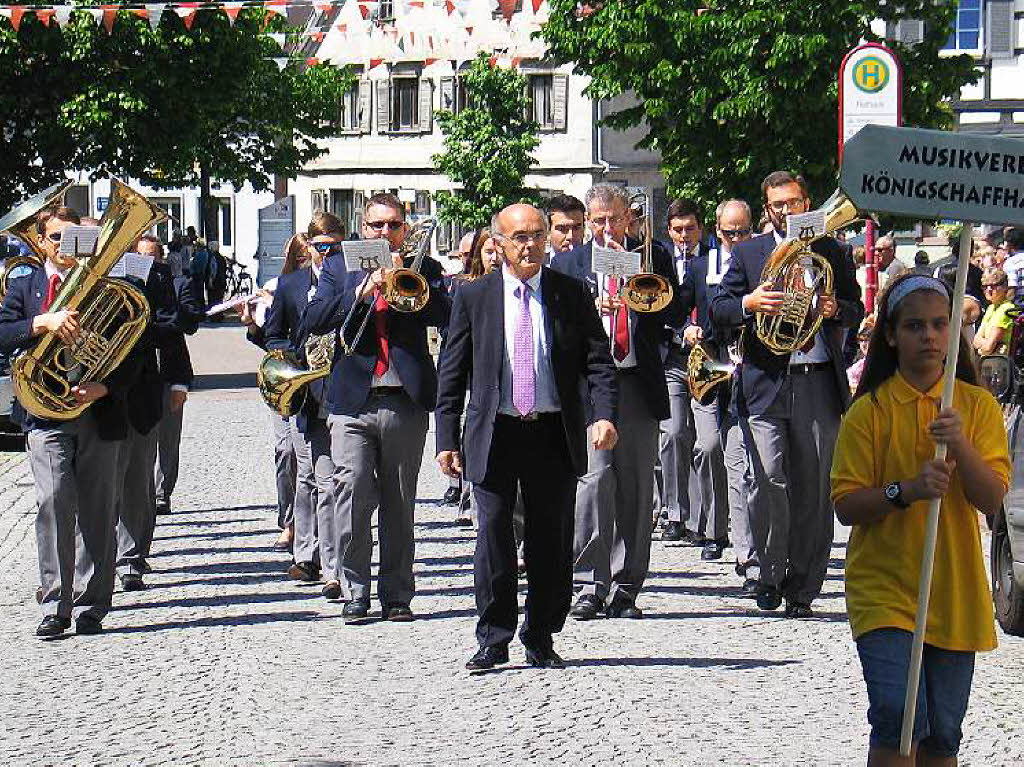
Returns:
(803, 368)
(386, 391)
(529, 417)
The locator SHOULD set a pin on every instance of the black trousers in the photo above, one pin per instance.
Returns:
(533, 456)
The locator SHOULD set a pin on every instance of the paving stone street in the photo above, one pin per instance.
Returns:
(225, 661)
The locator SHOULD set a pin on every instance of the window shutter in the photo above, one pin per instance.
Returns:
(448, 94)
(910, 31)
(365, 89)
(444, 236)
(999, 28)
(319, 199)
(383, 106)
(358, 203)
(426, 105)
(560, 100)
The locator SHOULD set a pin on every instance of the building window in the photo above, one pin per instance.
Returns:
(224, 222)
(547, 94)
(966, 32)
(386, 10)
(171, 206)
(405, 104)
(348, 111)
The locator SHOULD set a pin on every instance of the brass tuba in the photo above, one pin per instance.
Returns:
(112, 314)
(646, 291)
(406, 290)
(804, 277)
(21, 222)
(704, 374)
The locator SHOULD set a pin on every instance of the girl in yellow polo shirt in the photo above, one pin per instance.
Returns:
(883, 477)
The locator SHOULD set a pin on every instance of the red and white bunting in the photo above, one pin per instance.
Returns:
(231, 10)
(155, 12)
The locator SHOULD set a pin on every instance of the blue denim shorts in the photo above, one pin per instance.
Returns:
(941, 697)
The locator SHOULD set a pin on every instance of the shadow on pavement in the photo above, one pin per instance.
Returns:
(215, 535)
(278, 574)
(256, 566)
(467, 559)
(219, 600)
(224, 381)
(249, 619)
(218, 509)
(735, 664)
(819, 615)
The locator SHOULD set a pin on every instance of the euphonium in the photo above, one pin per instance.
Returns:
(112, 314)
(704, 374)
(21, 222)
(282, 378)
(647, 291)
(804, 277)
(406, 290)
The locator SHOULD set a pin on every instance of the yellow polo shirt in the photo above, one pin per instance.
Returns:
(885, 439)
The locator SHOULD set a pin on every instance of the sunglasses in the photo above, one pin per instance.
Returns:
(734, 233)
(995, 285)
(55, 236)
(326, 248)
(378, 226)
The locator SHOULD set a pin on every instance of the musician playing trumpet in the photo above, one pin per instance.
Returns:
(380, 392)
(789, 406)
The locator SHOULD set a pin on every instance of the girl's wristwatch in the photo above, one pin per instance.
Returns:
(894, 495)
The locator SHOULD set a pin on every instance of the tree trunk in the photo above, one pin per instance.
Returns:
(207, 213)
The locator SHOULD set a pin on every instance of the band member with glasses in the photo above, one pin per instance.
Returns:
(315, 545)
(789, 407)
(527, 343)
(74, 462)
(615, 497)
(379, 399)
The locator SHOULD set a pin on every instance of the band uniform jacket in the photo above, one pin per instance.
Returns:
(580, 360)
(348, 386)
(762, 372)
(650, 327)
(23, 302)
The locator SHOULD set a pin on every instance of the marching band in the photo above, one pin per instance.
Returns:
(703, 392)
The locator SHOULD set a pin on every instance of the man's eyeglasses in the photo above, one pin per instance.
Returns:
(522, 239)
(732, 234)
(379, 226)
(780, 206)
(327, 248)
(994, 285)
(604, 221)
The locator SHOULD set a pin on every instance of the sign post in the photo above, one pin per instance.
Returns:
(931, 174)
(870, 93)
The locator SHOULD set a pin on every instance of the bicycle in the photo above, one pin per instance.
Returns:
(237, 283)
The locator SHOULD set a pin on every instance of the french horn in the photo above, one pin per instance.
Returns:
(704, 374)
(21, 222)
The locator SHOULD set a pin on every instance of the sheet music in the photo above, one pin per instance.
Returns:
(621, 263)
(805, 226)
(77, 240)
(366, 255)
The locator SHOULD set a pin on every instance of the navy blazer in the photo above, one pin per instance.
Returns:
(23, 302)
(348, 387)
(762, 373)
(580, 360)
(649, 328)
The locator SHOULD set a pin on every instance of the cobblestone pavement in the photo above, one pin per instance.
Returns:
(225, 661)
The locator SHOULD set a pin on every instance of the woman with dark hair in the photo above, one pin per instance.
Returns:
(884, 476)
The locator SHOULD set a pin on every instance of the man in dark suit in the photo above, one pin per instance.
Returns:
(789, 408)
(528, 344)
(615, 497)
(379, 399)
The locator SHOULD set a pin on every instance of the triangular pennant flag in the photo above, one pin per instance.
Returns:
(44, 15)
(97, 15)
(317, 36)
(140, 12)
(17, 13)
(515, 62)
(312, 61)
(62, 15)
(536, 5)
(323, 7)
(282, 62)
(109, 14)
(508, 8)
(155, 12)
(277, 37)
(231, 10)
(449, 6)
(376, 63)
(428, 62)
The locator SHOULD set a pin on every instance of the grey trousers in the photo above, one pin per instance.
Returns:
(736, 472)
(316, 530)
(75, 476)
(165, 470)
(612, 537)
(709, 464)
(284, 465)
(136, 504)
(789, 453)
(377, 456)
(678, 435)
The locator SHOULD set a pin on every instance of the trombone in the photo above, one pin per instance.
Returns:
(646, 292)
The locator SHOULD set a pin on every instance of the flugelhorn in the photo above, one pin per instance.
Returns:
(804, 277)
(646, 291)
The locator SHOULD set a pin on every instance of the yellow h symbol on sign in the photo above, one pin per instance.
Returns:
(871, 74)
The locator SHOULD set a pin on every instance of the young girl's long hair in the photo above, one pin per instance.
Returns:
(294, 253)
(882, 360)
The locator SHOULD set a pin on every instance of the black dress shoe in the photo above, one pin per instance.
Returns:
(691, 538)
(749, 589)
(543, 658)
(768, 597)
(586, 607)
(398, 613)
(162, 508)
(356, 611)
(132, 582)
(741, 570)
(304, 571)
(673, 532)
(712, 550)
(53, 626)
(452, 495)
(799, 610)
(332, 590)
(488, 657)
(86, 624)
(623, 608)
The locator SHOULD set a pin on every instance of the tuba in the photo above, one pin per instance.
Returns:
(704, 374)
(804, 277)
(112, 314)
(21, 222)
(646, 291)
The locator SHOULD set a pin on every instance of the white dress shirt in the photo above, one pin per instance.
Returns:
(546, 393)
(629, 361)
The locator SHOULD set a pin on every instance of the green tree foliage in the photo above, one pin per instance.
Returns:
(157, 104)
(747, 86)
(488, 146)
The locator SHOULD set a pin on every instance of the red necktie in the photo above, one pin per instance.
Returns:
(620, 349)
(51, 291)
(380, 321)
